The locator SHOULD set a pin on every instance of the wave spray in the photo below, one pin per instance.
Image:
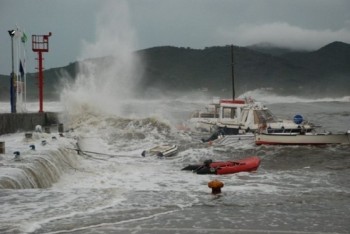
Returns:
(109, 70)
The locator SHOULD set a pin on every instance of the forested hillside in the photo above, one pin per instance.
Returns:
(323, 72)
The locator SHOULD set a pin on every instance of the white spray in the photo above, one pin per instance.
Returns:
(106, 83)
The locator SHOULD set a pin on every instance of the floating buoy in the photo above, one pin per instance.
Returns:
(215, 186)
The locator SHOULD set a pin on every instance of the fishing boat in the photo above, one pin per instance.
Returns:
(250, 119)
(225, 167)
(161, 151)
(239, 116)
(255, 117)
(308, 138)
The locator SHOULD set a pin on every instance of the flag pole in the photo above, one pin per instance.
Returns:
(24, 40)
(12, 78)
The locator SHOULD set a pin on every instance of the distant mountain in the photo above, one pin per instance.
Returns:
(271, 49)
(188, 69)
(323, 72)
(308, 73)
(328, 68)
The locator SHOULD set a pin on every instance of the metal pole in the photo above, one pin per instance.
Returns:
(41, 82)
(233, 75)
(12, 79)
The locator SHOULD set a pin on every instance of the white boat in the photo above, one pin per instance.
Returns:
(240, 121)
(240, 116)
(245, 115)
(161, 151)
(255, 117)
(302, 139)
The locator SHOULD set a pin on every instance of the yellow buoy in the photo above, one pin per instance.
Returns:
(215, 186)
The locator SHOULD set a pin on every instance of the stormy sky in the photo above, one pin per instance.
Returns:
(83, 28)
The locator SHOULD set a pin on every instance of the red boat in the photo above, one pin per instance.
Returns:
(228, 167)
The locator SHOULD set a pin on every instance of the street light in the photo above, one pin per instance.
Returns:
(12, 32)
(12, 77)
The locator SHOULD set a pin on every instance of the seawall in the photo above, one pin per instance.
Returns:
(20, 122)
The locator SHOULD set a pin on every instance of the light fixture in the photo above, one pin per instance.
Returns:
(12, 32)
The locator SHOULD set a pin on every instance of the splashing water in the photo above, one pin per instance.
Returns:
(268, 97)
(106, 85)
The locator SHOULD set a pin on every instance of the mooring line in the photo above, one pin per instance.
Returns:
(105, 154)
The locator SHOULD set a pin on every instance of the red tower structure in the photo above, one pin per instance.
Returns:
(40, 44)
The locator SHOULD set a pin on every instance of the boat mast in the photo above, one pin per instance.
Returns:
(233, 74)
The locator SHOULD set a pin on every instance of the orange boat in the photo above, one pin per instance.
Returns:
(227, 167)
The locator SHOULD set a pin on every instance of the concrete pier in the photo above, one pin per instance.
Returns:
(21, 122)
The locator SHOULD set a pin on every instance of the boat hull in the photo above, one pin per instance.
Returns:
(248, 165)
(298, 139)
(161, 151)
(228, 167)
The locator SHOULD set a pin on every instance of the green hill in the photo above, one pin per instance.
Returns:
(323, 72)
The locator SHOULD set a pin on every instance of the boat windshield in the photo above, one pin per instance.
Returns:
(265, 116)
(210, 112)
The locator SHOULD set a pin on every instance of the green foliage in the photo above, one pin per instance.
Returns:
(324, 72)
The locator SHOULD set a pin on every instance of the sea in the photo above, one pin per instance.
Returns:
(111, 188)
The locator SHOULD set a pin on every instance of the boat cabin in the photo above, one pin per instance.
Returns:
(244, 115)
(226, 108)
(239, 118)
(230, 111)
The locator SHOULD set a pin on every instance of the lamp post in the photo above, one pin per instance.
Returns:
(12, 77)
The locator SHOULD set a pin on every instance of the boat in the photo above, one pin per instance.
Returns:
(207, 120)
(247, 120)
(238, 116)
(225, 167)
(309, 138)
(161, 151)
(256, 117)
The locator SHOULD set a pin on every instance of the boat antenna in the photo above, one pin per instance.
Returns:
(233, 74)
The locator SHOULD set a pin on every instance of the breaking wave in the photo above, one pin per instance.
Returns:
(40, 172)
(267, 96)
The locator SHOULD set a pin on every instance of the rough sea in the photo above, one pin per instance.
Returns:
(113, 189)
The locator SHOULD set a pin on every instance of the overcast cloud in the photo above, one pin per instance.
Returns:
(302, 24)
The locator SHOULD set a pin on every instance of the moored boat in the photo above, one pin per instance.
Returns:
(244, 117)
(225, 167)
(302, 139)
(161, 151)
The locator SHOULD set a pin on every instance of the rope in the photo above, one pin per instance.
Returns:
(93, 152)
